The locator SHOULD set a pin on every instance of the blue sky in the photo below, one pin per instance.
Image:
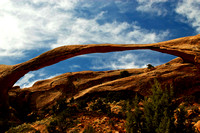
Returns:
(31, 27)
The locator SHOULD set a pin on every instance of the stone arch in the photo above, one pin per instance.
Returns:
(187, 48)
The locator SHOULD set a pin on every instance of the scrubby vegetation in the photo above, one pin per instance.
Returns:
(118, 111)
(149, 66)
(24, 128)
(100, 106)
(124, 74)
(157, 114)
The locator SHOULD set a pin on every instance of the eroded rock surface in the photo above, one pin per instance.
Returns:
(183, 76)
(187, 48)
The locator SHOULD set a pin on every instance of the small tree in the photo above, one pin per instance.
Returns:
(158, 110)
(158, 114)
(149, 66)
(134, 119)
(130, 123)
(124, 74)
(99, 105)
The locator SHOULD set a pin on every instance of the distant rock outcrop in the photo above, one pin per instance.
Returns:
(188, 48)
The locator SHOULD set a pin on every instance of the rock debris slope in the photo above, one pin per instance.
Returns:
(188, 48)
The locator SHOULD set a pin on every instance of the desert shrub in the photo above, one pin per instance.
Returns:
(158, 110)
(124, 74)
(89, 129)
(67, 113)
(158, 114)
(62, 122)
(70, 111)
(134, 118)
(63, 118)
(130, 123)
(52, 126)
(181, 117)
(60, 106)
(81, 104)
(24, 128)
(149, 66)
(124, 107)
(100, 106)
(181, 125)
(65, 124)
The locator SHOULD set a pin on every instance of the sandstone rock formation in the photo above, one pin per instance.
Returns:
(187, 48)
(183, 76)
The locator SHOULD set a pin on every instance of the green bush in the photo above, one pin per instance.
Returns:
(130, 122)
(60, 106)
(158, 109)
(181, 117)
(181, 125)
(158, 114)
(63, 118)
(124, 74)
(149, 66)
(99, 105)
(124, 107)
(24, 128)
(63, 121)
(134, 118)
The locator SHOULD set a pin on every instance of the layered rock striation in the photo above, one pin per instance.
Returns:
(188, 48)
(183, 77)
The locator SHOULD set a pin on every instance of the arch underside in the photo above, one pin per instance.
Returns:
(187, 48)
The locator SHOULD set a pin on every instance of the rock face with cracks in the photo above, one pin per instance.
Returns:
(188, 48)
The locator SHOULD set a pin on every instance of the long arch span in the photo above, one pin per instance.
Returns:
(188, 48)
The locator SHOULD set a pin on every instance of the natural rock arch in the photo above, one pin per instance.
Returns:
(188, 48)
